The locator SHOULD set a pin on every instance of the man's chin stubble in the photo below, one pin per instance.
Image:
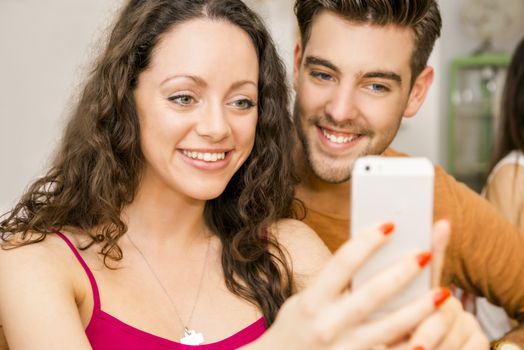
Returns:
(327, 173)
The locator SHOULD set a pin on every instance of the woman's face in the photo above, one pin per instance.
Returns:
(196, 105)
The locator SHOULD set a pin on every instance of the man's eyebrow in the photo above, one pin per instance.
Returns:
(313, 60)
(384, 75)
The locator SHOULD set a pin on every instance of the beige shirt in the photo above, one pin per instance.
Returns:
(485, 255)
(505, 188)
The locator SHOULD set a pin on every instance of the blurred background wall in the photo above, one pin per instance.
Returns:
(46, 47)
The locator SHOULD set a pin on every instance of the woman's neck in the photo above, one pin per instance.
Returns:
(165, 216)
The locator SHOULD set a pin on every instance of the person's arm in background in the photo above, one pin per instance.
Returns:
(505, 191)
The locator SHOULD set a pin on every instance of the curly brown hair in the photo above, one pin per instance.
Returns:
(422, 16)
(98, 166)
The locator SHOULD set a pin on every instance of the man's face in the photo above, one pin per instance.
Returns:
(352, 85)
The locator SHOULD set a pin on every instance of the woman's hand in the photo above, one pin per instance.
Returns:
(327, 316)
(448, 328)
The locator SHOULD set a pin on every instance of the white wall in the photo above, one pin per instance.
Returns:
(45, 48)
(278, 16)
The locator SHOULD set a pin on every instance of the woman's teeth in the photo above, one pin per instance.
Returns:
(205, 156)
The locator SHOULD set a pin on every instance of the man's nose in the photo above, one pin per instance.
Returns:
(342, 104)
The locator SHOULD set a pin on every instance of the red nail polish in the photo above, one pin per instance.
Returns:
(387, 229)
(423, 258)
(441, 296)
(418, 348)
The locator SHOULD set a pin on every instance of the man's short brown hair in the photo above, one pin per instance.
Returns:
(422, 16)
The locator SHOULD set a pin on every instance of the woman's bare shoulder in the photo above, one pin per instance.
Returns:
(25, 258)
(38, 281)
(22, 251)
(307, 252)
(30, 266)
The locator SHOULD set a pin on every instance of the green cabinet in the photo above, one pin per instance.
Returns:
(476, 84)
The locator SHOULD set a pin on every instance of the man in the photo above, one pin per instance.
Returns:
(360, 66)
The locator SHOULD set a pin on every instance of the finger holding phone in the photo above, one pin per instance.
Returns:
(327, 315)
(449, 326)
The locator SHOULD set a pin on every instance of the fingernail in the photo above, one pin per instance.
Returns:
(418, 348)
(387, 229)
(423, 258)
(441, 296)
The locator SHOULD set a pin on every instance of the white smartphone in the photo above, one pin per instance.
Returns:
(397, 190)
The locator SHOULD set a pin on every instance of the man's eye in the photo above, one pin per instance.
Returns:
(378, 88)
(321, 76)
(243, 103)
(183, 100)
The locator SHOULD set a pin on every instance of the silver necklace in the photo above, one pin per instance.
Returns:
(190, 336)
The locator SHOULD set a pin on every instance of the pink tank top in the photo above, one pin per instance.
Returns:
(106, 332)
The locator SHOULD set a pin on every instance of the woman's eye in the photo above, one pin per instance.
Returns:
(183, 100)
(321, 76)
(243, 103)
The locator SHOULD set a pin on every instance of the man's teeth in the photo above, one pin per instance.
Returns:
(338, 139)
(206, 156)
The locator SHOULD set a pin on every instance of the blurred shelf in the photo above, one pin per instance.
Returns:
(476, 82)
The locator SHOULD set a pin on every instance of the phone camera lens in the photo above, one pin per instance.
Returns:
(368, 168)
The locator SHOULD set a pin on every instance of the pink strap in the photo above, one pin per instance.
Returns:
(265, 233)
(92, 281)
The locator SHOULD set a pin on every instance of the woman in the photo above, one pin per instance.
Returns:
(161, 222)
(505, 185)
